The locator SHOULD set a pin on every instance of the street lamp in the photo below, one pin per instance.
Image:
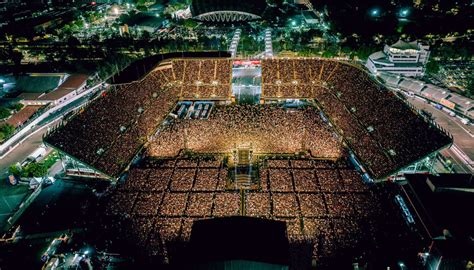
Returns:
(375, 12)
(404, 12)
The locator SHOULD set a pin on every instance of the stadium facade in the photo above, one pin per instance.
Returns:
(227, 10)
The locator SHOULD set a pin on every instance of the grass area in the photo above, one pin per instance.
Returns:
(50, 159)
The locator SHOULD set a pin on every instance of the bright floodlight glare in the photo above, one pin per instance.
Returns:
(293, 23)
(404, 12)
(375, 12)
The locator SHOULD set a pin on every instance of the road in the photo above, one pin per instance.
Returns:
(31, 143)
(23, 150)
(463, 136)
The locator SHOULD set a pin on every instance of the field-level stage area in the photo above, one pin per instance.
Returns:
(268, 129)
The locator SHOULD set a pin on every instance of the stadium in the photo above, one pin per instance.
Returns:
(227, 10)
(186, 144)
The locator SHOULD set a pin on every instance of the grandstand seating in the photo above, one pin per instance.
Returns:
(384, 133)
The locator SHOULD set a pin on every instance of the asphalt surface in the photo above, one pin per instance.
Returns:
(463, 135)
(29, 145)
(22, 151)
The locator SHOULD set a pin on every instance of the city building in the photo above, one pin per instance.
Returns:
(447, 99)
(143, 22)
(403, 58)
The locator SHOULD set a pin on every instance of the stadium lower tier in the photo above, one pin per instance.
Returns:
(331, 216)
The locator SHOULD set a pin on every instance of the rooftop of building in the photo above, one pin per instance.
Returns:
(20, 117)
(74, 81)
(403, 45)
(143, 19)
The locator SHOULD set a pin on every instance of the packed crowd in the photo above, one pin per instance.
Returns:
(302, 78)
(385, 133)
(323, 203)
(203, 78)
(111, 129)
(270, 129)
(382, 131)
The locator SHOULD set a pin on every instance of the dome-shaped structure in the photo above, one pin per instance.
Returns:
(227, 10)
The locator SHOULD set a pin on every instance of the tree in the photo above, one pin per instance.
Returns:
(35, 170)
(17, 106)
(4, 112)
(432, 67)
(190, 24)
(15, 170)
(7, 130)
(79, 24)
(470, 87)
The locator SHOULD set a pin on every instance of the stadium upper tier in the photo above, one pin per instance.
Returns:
(227, 10)
(384, 133)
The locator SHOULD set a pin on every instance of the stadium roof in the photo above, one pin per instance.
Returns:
(227, 10)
